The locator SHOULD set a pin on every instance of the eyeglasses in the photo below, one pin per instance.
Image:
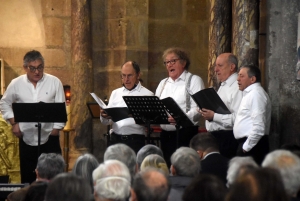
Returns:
(129, 76)
(172, 62)
(33, 69)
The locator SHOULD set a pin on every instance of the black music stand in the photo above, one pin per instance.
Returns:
(40, 113)
(147, 110)
(180, 116)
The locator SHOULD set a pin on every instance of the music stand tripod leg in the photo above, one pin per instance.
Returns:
(149, 132)
(39, 138)
(177, 135)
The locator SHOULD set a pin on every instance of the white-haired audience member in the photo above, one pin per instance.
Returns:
(237, 166)
(288, 164)
(111, 181)
(123, 153)
(84, 167)
(150, 185)
(185, 165)
(112, 188)
(111, 168)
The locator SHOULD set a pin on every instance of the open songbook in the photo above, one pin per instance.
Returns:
(116, 113)
(209, 99)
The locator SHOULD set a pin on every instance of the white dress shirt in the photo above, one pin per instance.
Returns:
(231, 96)
(49, 89)
(177, 90)
(125, 126)
(253, 118)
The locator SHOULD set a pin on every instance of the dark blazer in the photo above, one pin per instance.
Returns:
(178, 185)
(215, 164)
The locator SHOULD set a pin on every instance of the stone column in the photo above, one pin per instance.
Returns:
(82, 75)
(245, 31)
(219, 35)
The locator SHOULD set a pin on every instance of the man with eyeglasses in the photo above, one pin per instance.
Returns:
(123, 131)
(32, 87)
(177, 63)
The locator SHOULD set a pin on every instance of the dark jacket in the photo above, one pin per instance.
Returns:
(178, 185)
(215, 164)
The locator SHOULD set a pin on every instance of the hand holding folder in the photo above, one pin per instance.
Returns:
(116, 113)
(209, 99)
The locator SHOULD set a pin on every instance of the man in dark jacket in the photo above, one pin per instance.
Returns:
(212, 162)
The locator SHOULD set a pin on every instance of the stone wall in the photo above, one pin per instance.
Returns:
(281, 60)
(182, 23)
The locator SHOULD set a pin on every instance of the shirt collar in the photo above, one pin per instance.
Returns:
(214, 152)
(181, 77)
(252, 86)
(230, 80)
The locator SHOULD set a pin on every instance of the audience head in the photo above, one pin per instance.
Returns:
(204, 143)
(123, 153)
(149, 185)
(155, 161)
(294, 148)
(205, 187)
(68, 187)
(261, 184)
(147, 150)
(111, 168)
(176, 61)
(112, 188)
(185, 162)
(36, 192)
(84, 167)
(288, 164)
(237, 166)
(49, 165)
(226, 65)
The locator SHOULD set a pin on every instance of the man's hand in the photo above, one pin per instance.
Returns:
(104, 114)
(16, 130)
(207, 114)
(171, 120)
(55, 132)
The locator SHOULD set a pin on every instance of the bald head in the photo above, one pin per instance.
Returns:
(151, 185)
(130, 74)
(226, 65)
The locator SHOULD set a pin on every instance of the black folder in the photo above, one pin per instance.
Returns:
(209, 99)
(117, 113)
(176, 112)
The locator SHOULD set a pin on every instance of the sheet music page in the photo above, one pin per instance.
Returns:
(99, 101)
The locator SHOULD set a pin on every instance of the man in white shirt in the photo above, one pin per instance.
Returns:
(130, 134)
(32, 87)
(177, 63)
(221, 125)
(253, 119)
